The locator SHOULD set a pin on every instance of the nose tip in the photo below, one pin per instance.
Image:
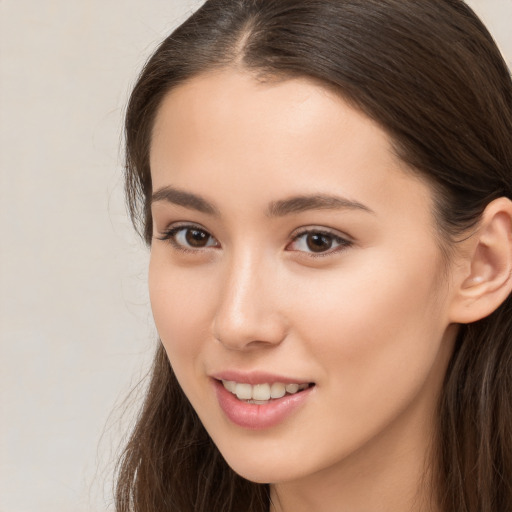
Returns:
(239, 331)
(248, 314)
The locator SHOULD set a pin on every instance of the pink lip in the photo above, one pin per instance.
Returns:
(258, 417)
(254, 378)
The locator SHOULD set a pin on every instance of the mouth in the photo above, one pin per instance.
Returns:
(264, 393)
(260, 400)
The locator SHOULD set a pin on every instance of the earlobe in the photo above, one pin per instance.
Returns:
(484, 279)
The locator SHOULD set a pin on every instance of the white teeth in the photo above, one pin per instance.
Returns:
(277, 390)
(243, 391)
(261, 393)
(229, 385)
(292, 388)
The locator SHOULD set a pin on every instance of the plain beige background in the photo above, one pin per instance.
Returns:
(75, 325)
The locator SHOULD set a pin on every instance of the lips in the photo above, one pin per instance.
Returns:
(259, 401)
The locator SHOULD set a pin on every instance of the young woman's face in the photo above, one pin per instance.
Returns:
(293, 253)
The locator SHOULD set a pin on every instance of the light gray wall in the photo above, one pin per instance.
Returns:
(75, 325)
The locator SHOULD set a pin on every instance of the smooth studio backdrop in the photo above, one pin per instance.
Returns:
(76, 331)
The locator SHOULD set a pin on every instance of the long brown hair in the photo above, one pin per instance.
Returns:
(430, 74)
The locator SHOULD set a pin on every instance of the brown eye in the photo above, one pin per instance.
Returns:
(196, 238)
(190, 238)
(318, 242)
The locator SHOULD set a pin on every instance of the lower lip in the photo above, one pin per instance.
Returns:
(258, 417)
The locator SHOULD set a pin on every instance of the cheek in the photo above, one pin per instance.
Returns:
(375, 328)
(180, 306)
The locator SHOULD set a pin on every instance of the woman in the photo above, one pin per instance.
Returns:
(325, 187)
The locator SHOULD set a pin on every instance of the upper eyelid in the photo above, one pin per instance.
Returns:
(184, 225)
(318, 229)
(344, 241)
(168, 235)
(295, 234)
(177, 226)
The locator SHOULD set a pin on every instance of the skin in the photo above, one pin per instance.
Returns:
(366, 321)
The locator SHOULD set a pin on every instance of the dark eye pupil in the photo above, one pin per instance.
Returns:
(317, 242)
(196, 238)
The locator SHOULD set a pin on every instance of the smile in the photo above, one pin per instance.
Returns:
(263, 404)
(261, 394)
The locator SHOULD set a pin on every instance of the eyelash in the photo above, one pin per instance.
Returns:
(343, 243)
(170, 236)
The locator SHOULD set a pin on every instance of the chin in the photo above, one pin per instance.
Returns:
(264, 470)
(261, 475)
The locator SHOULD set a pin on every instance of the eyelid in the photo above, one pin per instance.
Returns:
(169, 233)
(344, 241)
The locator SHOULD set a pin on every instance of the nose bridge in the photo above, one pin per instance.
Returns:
(248, 312)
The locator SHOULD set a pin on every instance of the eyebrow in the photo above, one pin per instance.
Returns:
(185, 199)
(296, 204)
(314, 202)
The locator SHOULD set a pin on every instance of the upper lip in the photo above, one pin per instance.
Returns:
(256, 377)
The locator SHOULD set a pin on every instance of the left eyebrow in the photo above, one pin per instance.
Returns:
(313, 202)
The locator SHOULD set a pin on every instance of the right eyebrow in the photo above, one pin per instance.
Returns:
(185, 199)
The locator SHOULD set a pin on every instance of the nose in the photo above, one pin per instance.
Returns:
(248, 314)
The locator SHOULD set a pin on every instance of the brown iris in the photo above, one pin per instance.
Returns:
(318, 242)
(196, 237)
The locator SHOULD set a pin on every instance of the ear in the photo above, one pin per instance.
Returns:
(483, 280)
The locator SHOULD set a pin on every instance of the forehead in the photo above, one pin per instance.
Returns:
(230, 135)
